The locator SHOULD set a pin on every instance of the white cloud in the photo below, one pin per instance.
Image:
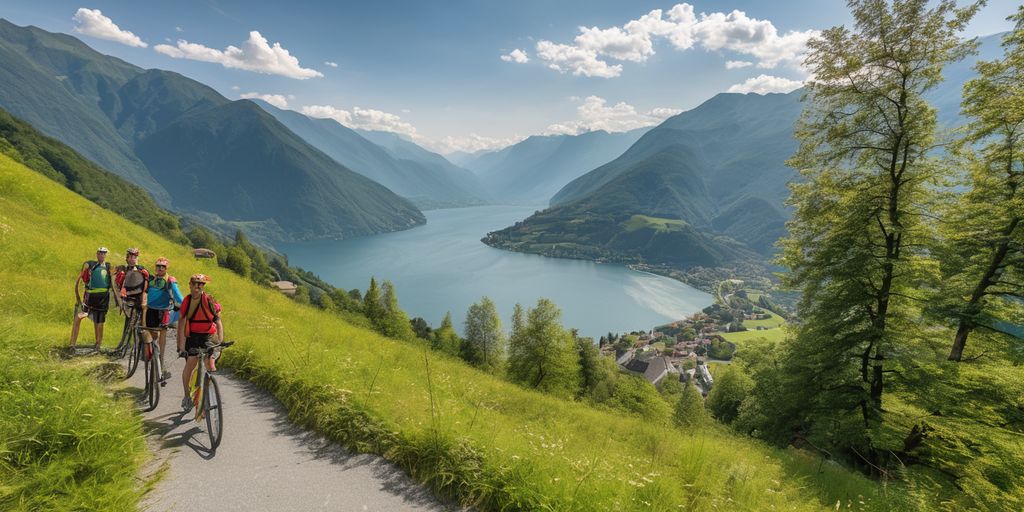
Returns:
(331, 64)
(277, 100)
(518, 56)
(235, 87)
(92, 22)
(591, 50)
(595, 114)
(179, 29)
(738, 64)
(764, 84)
(364, 118)
(254, 55)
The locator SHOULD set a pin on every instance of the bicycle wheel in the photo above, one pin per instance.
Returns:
(214, 411)
(152, 393)
(126, 333)
(134, 353)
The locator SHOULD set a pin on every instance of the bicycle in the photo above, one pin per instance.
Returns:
(129, 345)
(153, 367)
(206, 395)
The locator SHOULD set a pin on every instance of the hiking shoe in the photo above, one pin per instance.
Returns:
(165, 375)
(186, 404)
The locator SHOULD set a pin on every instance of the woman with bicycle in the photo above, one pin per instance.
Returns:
(164, 296)
(199, 327)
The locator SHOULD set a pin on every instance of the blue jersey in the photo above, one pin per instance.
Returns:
(163, 292)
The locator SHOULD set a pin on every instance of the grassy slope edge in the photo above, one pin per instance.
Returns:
(468, 435)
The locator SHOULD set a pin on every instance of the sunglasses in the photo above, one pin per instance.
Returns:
(197, 284)
(161, 266)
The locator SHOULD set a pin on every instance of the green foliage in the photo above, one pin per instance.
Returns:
(395, 323)
(445, 338)
(542, 354)
(56, 161)
(239, 262)
(634, 395)
(373, 307)
(597, 373)
(689, 412)
(731, 387)
(422, 328)
(721, 349)
(484, 346)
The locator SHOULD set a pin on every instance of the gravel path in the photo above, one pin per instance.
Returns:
(263, 462)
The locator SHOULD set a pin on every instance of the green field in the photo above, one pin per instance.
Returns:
(658, 224)
(470, 436)
(776, 334)
(774, 321)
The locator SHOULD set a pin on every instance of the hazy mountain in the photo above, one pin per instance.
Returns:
(202, 154)
(533, 170)
(425, 178)
(462, 158)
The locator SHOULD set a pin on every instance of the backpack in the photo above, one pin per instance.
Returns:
(135, 279)
(89, 277)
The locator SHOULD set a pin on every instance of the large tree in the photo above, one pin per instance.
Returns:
(542, 353)
(983, 235)
(484, 345)
(856, 243)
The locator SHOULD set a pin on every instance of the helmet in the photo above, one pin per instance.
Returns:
(102, 249)
(199, 278)
(132, 250)
(162, 261)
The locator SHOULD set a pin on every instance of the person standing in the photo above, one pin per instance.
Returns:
(163, 297)
(131, 281)
(96, 299)
(199, 327)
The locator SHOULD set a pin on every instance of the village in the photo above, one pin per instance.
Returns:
(683, 349)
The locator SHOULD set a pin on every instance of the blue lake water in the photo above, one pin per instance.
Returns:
(443, 266)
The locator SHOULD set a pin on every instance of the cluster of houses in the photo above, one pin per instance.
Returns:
(656, 365)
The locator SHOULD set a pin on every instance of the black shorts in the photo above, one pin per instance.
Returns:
(196, 343)
(156, 318)
(96, 305)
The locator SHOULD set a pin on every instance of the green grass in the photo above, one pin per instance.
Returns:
(774, 321)
(469, 436)
(776, 334)
(658, 224)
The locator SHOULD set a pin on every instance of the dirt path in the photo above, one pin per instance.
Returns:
(264, 462)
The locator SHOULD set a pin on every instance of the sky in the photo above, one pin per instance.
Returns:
(467, 75)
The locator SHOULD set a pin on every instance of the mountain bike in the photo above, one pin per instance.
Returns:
(206, 395)
(152, 366)
(129, 345)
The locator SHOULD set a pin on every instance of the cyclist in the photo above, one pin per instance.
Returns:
(96, 276)
(163, 297)
(199, 327)
(132, 281)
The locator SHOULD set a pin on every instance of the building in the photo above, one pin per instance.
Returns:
(286, 287)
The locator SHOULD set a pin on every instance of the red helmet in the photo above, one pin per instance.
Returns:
(133, 251)
(199, 278)
(162, 261)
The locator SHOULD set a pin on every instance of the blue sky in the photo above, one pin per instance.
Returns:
(434, 70)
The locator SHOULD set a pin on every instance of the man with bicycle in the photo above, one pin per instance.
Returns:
(132, 283)
(199, 327)
(163, 296)
(96, 300)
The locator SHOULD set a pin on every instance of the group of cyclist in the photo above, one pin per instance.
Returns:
(155, 294)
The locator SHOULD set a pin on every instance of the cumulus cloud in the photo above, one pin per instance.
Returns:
(331, 64)
(518, 56)
(256, 54)
(595, 114)
(92, 22)
(764, 84)
(363, 118)
(591, 50)
(179, 29)
(277, 100)
(738, 64)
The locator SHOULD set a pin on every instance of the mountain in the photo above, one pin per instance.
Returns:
(531, 171)
(425, 178)
(196, 151)
(703, 189)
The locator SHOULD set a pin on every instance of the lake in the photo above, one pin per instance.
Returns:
(443, 266)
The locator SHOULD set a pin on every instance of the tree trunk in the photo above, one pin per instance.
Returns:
(960, 340)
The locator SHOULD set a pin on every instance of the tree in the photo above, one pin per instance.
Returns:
(238, 262)
(422, 328)
(731, 387)
(326, 303)
(373, 308)
(689, 411)
(983, 251)
(445, 338)
(597, 376)
(542, 354)
(484, 345)
(394, 323)
(856, 245)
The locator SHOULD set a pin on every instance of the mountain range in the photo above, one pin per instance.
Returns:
(531, 171)
(191, 148)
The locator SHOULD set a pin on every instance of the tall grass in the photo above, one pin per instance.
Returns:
(469, 436)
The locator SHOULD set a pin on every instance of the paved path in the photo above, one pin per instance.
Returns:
(264, 462)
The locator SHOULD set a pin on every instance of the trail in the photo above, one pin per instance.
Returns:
(263, 462)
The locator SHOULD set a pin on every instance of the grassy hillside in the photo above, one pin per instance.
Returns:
(469, 435)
